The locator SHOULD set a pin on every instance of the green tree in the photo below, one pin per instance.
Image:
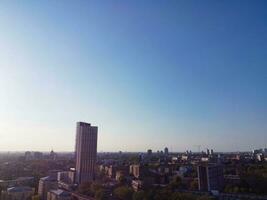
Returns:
(94, 187)
(122, 179)
(205, 198)
(1, 192)
(162, 194)
(150, 194)
(100, 194)
(35, 197)
(139, 195)
(236, 189)
(181, 196)
(85, 188)
(123, 193)
(228, 189)
(194, 185)
(176, 183)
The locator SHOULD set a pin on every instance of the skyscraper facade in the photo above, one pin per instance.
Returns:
(85, 152)
(210, 177)
(166, 151)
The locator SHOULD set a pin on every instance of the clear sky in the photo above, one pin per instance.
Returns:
(150, 74)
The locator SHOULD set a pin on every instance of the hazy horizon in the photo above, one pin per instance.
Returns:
(148, 74)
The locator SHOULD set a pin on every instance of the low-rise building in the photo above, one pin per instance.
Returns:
(46, 184)
(144, 183)
(66, 176)
(66, 180)
(136, 170)
(58, 195)
(18, 193)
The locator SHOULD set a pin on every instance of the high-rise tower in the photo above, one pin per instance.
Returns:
(85, 152)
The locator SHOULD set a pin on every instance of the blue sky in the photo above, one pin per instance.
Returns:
(150, 74)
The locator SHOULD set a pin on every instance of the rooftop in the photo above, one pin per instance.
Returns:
(20, 189)
(60, 192)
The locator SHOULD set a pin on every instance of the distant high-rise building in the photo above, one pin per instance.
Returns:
(166, 151)
(210, 177)
(28, 155)
(52, 155)
(149, 152)
(85, 152)
(211, 152)
(38, 155)
(208, 152)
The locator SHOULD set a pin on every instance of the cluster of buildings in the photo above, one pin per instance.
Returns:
(36, 155)
(203, 171)
(151, 169)
(260, 154)
(161, 172)
(16, 193)
(17, 188)
(59, 185)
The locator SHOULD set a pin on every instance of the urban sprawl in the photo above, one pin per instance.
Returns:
(160, 175)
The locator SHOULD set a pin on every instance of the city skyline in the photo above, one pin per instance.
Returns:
(181, 75)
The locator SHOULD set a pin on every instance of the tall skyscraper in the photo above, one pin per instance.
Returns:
(166, 151)
(211, 152)
(85, 152)
(149, 152)
(208, 152)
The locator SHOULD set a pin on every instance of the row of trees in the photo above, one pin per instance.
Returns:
(253, 179)
(126, 193)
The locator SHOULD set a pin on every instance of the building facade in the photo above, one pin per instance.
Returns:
(166, 151)
(45, 184)
(210, 177)
(85, 152)
(58, 195)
